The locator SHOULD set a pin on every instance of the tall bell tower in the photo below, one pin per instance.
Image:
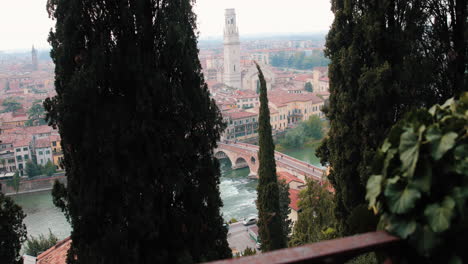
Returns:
(232, 70)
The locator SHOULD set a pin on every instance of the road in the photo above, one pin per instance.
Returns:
(238, 237)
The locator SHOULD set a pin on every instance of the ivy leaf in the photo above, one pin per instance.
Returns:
(425, 240)
(409, 151)
(438, 215)
(374, 188)
(400, 227)
(388, 158)
(423, 177)
(401, 199)
(460, 194)
(440, 147)
(386, 145)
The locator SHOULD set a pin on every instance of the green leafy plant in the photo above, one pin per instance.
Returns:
(421, 189)
(36, 245)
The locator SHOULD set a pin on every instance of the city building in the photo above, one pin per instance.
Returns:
(232, 69)
(22, 153)
(43, 151)
(240, 125)
(57, 154)
(35, 65)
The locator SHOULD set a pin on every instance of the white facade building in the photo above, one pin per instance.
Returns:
(43, 151)
(232, 70)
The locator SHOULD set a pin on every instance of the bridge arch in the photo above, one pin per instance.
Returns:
(241, 163)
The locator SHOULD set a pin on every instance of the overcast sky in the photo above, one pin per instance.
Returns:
(26, 22)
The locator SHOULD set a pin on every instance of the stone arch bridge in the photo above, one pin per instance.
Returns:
(244, 155)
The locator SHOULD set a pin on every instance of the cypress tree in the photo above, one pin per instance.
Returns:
(12, 230)
(385, 60)
(270, 226)
(138, 131)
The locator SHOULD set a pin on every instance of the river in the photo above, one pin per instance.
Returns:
(238, 193)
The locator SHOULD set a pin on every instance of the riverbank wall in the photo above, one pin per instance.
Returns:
(33, 185)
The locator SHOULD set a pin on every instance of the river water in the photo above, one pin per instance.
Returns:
(238, 193)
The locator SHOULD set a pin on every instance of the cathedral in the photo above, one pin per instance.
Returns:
(234, 75)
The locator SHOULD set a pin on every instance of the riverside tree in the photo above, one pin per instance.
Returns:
(12, 230)
(138, 131)
(385, 60)
(270, 226)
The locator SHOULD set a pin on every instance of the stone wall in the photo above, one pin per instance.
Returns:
(33, 185)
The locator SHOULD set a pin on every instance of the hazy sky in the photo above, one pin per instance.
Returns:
(26, 22)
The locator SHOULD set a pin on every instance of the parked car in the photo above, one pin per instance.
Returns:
(250, 221)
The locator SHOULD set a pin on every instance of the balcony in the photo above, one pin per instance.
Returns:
(331, 251)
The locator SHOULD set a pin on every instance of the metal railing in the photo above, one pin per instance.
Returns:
(331, 251)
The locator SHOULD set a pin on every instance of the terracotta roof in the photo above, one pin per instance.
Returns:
(303, 77)
(56, 254)
(43, 143)
(294, 196)
(288, 177)
(281, 97)
(54, 138)
(10, 117)
(325, 79)
(21, 142)
(240, 114)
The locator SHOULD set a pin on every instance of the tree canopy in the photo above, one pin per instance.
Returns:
(385, 61)
(12, 230)
(270, 222)
(138, 130)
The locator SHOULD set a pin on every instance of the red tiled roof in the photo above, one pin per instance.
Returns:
(288, 177)
(240, 114)
(294, 196)
(21, 142)
(56, 254)
(281, 97)
(303, 77)
(325, 79)
(43, 143)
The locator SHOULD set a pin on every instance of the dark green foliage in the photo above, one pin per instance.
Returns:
(420, 189)
(294, 138)
(32, 169)
(308, 87)
(316, 220)
(36, 245)
(385, 61)
(15, 181)
(36, 115)
(270, 225)
(311, 129)
(138, 129)
(12, 230)
(11, 105)
(60, 198)
(284, 202)
(299, 60)
(49, 169)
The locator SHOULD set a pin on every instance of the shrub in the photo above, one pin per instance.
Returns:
(36, 245)
(421, 187)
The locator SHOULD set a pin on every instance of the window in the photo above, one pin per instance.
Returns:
(19, 158)
(47, 152)
(41, 161)
(54, 143)
(18, 150)
(26, 157)
(25, 149)
(40, 152)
